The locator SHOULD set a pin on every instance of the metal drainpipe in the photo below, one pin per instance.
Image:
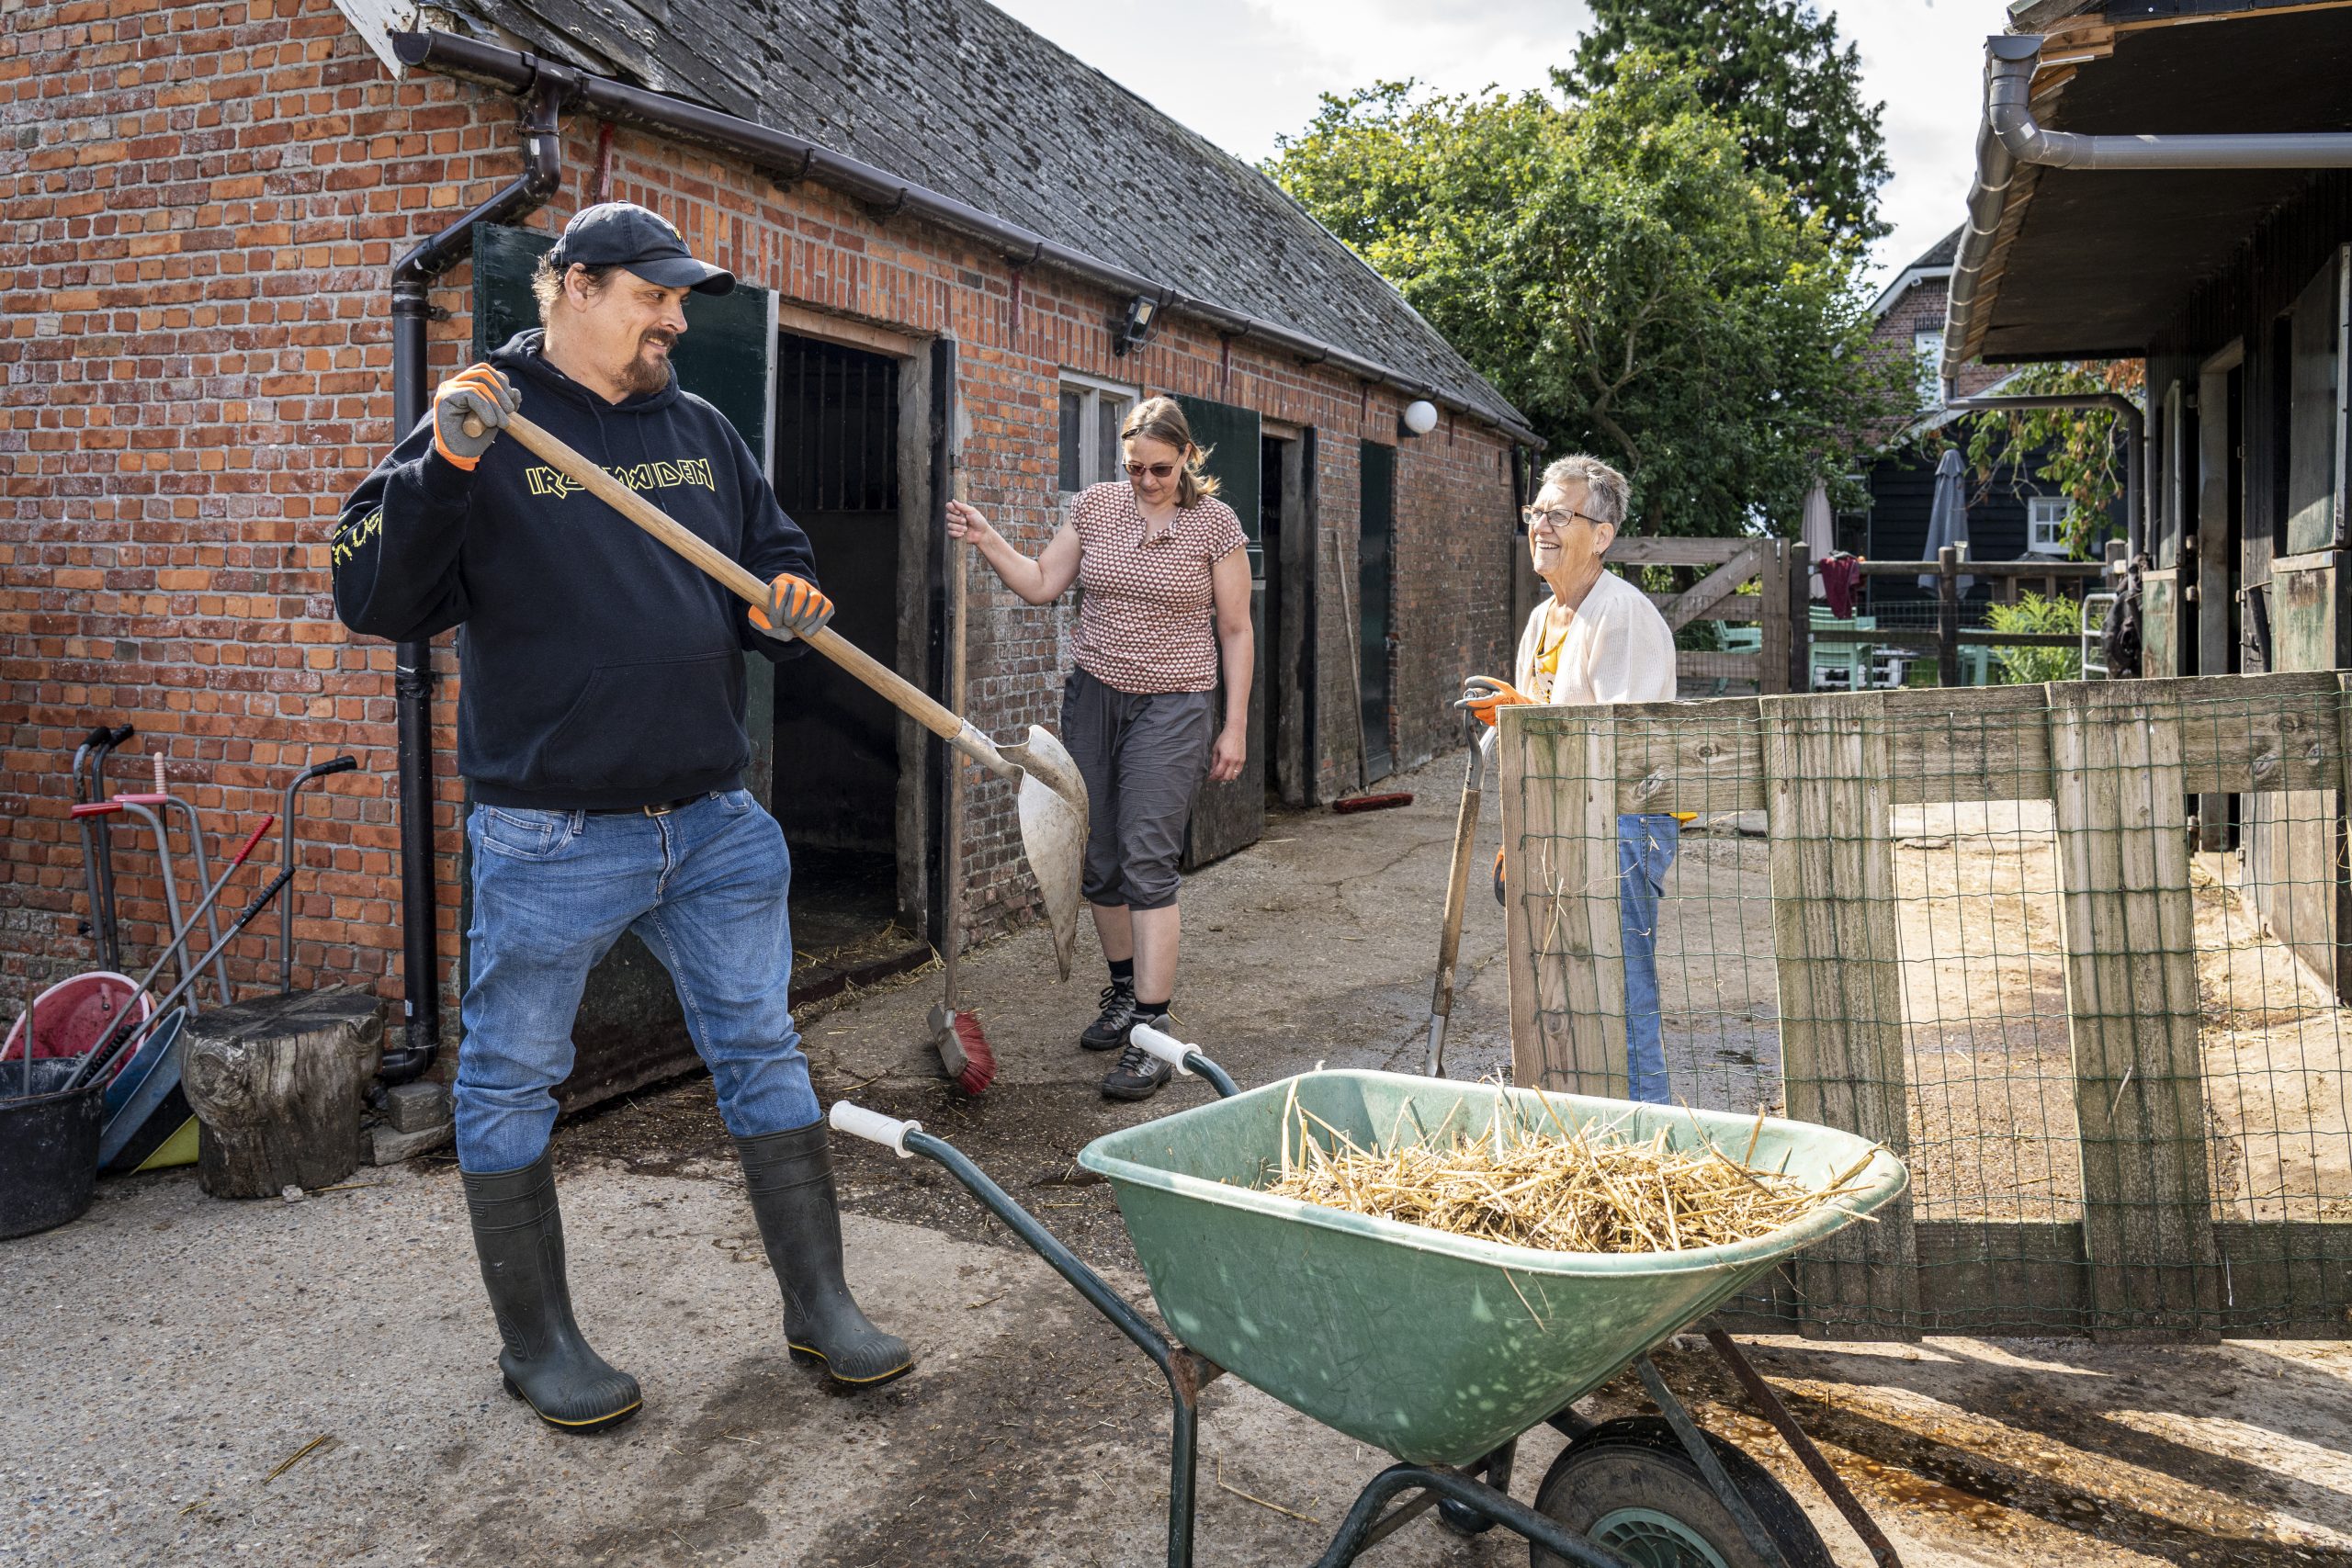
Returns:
(413, 677)
(2010, 136)
(2135, 435)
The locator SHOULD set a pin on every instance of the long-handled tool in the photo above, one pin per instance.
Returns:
(102, 1054)
(285, 862)
(97, 858)
(1457, 892)
(1360, 801)
(1051, 795)
(963, 1046)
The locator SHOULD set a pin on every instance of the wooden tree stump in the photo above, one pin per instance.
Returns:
(276, 1085)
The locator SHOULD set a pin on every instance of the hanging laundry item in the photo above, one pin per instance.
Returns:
(1841, 577)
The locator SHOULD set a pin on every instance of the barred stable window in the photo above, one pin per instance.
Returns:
(2045, 524)
(1091, 410)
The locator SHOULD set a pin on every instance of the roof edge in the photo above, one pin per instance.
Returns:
(781, 152)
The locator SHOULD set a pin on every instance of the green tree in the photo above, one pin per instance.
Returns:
(2080, 451)
(1616, 268)
(1777, 70)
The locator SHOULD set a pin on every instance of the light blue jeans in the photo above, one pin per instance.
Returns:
(704, 886)
(1646, 847)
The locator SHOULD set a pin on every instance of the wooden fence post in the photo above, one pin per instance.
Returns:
(1800, 591)
(1947, 616)
(1565, 959)
(1830, 789)
(1772, 618)
(2129, 928)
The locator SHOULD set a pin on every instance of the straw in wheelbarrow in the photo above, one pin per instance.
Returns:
(1591, 1189)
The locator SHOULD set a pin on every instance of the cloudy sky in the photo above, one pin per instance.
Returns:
(1244, 72)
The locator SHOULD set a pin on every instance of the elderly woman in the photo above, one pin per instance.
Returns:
(1166, 602)
(1599, 639)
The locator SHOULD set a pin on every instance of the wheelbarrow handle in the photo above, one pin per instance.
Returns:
(1186, 1059)
(872, 1126)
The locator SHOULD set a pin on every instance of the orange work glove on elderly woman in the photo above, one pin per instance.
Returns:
(1482, 694)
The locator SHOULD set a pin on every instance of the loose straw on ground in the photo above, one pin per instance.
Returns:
(1587, 1189)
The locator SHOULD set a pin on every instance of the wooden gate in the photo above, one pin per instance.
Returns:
(1728, 566)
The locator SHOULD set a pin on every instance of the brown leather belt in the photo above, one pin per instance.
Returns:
(658, 809)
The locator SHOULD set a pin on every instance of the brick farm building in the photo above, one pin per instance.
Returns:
(245, 240)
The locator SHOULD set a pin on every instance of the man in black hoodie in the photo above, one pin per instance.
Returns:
(600, 726)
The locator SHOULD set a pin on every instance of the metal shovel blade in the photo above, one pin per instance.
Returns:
(1052, 803)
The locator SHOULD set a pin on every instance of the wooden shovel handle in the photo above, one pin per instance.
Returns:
(727, 572)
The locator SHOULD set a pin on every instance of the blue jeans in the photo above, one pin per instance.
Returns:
(1645, 846)
(704, 886)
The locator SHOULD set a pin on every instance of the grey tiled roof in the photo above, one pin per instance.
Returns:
(956, 95)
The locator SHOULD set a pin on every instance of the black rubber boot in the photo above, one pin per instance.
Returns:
(790, 1178)
(518, 1234)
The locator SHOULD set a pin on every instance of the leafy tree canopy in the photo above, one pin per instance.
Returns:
(1617, 267)
(1777, 71)
(2079, 451)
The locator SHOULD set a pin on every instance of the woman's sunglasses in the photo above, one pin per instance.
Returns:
(1157, 471)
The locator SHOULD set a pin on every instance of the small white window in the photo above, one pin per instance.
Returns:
(1928, 348)
(1091, 412)
(2045, 524)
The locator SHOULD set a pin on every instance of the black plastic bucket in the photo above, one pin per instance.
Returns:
(49, 1146)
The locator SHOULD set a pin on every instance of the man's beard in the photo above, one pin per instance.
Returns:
(647, 372)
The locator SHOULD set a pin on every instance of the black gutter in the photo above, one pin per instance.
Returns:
(548, 88)
(785, 156)
(2135, 438)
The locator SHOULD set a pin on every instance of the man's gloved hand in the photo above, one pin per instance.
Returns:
(796, 607)
(477, 390)
(1482, 694)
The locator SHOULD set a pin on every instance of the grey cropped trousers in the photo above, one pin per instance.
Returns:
(1142, 754)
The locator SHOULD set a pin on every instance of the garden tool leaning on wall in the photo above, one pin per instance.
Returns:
(1051, 796)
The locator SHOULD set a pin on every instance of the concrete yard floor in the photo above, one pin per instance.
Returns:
(192, 1380)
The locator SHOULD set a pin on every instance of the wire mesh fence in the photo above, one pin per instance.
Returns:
(2071, 951)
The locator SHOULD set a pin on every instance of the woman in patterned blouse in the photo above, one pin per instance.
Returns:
(1166, 602)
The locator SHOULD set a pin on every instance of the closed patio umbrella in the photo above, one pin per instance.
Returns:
(1947, 518)
(1819, 533)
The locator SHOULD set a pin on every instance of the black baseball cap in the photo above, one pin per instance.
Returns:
(621, 233)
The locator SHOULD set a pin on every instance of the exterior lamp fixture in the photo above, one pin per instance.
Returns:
(1421, 417)
(1142, 311)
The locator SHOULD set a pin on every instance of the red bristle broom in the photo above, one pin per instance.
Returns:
(965, 1055)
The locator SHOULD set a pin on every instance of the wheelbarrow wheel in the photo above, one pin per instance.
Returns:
(1628, 1485)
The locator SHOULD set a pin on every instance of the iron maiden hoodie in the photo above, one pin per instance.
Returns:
(601, 670)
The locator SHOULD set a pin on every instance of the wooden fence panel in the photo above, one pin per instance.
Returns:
(1829, 765)
(2128, 930)
(1567, 1005)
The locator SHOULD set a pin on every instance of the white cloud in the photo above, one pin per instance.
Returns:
(1243, 72)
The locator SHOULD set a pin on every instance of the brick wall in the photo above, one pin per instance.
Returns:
(196, 356)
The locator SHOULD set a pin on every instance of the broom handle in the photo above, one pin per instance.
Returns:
(729, 574)
(954, 827)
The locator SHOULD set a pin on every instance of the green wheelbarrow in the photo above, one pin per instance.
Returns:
(1441, 1349)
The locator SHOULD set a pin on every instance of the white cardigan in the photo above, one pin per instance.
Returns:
(1618, 649)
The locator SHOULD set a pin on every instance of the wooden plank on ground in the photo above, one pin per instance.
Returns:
(2129, 932)
(1701, 756)
(1564, 958)
(1829, 767)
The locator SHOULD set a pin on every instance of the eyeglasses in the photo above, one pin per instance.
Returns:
(1157, 471)
(1556, 516)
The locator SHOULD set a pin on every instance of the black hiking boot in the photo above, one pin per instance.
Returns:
(1137, 1074)
(1109, 1032)
(518, 1234)
(789, 1178)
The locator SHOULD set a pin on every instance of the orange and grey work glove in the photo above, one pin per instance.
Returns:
(796, 607)
(477, 390)
(1482, 694)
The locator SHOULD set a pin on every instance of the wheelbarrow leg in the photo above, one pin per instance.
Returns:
(1694, 1443)
(1367, 1521)
(1816, 1464)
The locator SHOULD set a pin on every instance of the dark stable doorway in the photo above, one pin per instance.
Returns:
(836, 743)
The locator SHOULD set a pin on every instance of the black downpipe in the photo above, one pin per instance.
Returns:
(413, 277)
